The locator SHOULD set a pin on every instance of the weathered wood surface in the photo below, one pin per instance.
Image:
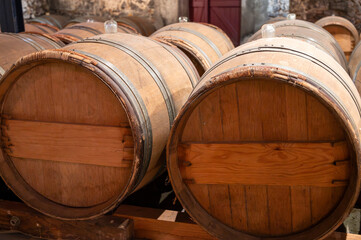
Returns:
(17, 216)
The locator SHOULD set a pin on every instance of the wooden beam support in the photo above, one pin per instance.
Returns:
(162, 224)
(147, 223)
(152, 223)
(15, 216)
(286, 164)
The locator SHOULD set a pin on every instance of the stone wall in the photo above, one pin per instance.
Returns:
(311, 10)
(32, 8)
(255, 13)
(161, 12)
(277, 7)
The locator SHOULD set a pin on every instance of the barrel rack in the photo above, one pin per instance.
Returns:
(127, 222)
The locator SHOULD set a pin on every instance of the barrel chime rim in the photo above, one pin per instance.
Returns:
(287, 76)
(311, 26)
(323, 22)
(201, 57)
(14, 180)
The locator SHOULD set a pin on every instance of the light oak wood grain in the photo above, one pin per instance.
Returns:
(288, 164)
(72, 143)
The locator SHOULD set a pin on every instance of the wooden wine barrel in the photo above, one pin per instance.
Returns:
(343, 31)
(14, 46)
(143, 26)
(308, 32)
(268, 144)
(57, 21)
(40, 28)
(203, 43)
(84, 30)
(84, 126)
(354, 65)
(84, 19)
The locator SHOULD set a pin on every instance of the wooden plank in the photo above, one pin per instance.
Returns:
(288, 164)
(210, 115)
(147, 225)
(274, 119)
(322, 125)
(36, 224)
(220, 203)
(279, 207)
(73, 143)
(193, 132)
(238, 206)
(324, 200)
(257, 210)
(229, 112)
(301, 208)
(296, 120)
(250, 114)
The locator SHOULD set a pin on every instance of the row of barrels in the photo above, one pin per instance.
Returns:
(264, 145)
(50, 24)
(44, 33)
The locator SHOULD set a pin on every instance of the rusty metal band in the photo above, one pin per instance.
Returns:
(310, 40)
(72, 35)
(85, 28)
(198, 34)
(193, 46)
(31, 42)
(42, 20)
(151, 69)
(51, 42)
(41, 29)
(292, 52)
(354, 53)
(2, 71)
(324, 33)
(178, 58)
(341, 22)
(356, 72)
(126, 28)
(56, 22)
(132, 24)
(221, 33)
(136, 103)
